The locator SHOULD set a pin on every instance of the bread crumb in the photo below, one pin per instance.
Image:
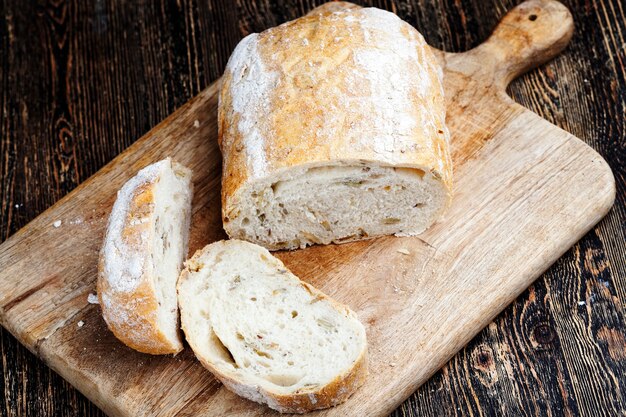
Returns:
(196, 124)
(404, 251)
(392, 364)
(92, 299)
(57, 223)
(81, 323)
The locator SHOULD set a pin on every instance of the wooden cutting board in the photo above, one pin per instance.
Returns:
(525, 191)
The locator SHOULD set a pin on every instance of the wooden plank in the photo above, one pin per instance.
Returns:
(526, 191)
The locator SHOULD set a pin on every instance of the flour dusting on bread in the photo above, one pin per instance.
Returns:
(252, 84)
(332, 129)
(143, 251)
(124, 258)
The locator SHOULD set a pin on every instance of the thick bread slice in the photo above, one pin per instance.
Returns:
(265, 334)
(143, 252)
(332, 129)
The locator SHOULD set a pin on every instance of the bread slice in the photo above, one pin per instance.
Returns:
(332, 129)
(143, 252)
(265, 334)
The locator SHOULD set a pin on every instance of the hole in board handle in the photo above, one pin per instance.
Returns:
(532, 17)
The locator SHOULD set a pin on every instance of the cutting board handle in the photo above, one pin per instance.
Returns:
(529, 35)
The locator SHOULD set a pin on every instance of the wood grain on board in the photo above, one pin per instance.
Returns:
(494, 136)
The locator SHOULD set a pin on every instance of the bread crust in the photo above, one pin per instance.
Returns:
(333, 393)
(132, 313)
(302, 117)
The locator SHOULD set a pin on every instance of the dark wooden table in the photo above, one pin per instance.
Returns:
(80, 80)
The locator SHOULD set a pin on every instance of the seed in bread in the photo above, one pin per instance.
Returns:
(332, 129)
(143, 252)
(265, 334)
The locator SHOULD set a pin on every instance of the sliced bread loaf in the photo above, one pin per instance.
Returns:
(265, 334)
(332, 129)
(143, 252)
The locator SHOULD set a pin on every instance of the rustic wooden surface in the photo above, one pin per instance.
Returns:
(81, 81)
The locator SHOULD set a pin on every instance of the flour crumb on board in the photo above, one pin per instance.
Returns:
(92, 299)
(404, 251)
(196, 123)
(57, 223)
(81, 323)
(581, 303)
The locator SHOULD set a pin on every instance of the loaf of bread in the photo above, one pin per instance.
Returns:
(332, 129)
(265, 334)
(143, 252)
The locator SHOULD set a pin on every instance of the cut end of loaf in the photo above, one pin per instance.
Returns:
(143, 252)
(265, 334)
(332, 129)
(335, 203)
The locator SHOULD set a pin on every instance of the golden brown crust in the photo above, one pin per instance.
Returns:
(132, 313)
(310, 67)
(140, 331)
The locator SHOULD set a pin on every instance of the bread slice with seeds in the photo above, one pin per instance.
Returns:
(265, 334)
(143, 252)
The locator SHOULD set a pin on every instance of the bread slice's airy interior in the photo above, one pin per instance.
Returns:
(143, 253)
(336, 203)
(172, 221)
(265, 334)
